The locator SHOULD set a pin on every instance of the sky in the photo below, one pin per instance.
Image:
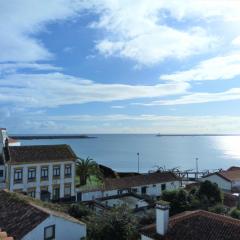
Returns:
(120, 66)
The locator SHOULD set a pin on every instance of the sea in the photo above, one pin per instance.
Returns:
(121, 152)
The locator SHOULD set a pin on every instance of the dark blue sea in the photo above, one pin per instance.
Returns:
(119, 151)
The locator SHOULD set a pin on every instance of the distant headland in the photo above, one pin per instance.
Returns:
(63, 136)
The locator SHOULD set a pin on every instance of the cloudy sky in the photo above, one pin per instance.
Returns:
(120, 66)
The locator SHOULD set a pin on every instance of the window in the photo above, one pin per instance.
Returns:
(31, 174)
(163, 187)
(32, 193)
(56, 193)
(56, 171)
(49, 232)
(68, 170)
(154, 185)
(67, 190)
(1, 173)
(18, 175)
(44, 172)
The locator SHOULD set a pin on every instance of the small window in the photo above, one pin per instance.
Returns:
(154, 185)
(18, 175)
(67, 191)
(44, 172)
(68, 170)
(32, 193)
(49, 232)
(56, 193)
(1, 173)
(56, 171)
(31, 174)
(163, 187)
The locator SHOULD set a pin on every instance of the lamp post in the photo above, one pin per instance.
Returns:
(138, 161)
(197, 168)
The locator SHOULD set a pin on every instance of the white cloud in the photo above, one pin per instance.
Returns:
(20, 21)
(232, 94)
(216, 68)
(55, 89)
(137, 30)
(236, 41)
(6, 68)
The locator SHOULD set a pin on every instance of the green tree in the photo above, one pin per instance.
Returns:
(179, 200)
(209, 193)
(117, 224)
(85, 168)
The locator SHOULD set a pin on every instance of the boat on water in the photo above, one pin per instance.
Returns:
(158, 135)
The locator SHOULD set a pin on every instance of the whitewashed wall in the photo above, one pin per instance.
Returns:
(145, 238)
(38, 183)
(152, 190)
(64, 230)
(221, 182)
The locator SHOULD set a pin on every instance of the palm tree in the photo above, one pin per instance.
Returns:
(85, 168)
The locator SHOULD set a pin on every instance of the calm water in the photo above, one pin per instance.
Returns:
(120, 151)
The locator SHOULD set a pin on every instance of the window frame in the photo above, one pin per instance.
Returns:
(18, 172)
(68, 170)
(56, 169)
(44, 176)
(32, 170)
(54, 232)
(67, 186)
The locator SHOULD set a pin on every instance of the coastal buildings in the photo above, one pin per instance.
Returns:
(151, 184)
(46, 172)
(192, 225)
(24, 218)
(228, 180)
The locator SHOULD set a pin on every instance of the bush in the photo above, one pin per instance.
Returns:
(209, 193)
(117, 224)
(235, 213)
(219, 208)
(78, 210)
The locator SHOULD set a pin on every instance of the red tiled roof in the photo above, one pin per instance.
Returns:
(197, 225)
(139, 180)
(11, 140)
(40, 153)
(228, 175)
(233, 168)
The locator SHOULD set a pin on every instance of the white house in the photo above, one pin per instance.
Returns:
(190, 225)
(24, 219)
(151, 184)
(228, 180)
(46, 172)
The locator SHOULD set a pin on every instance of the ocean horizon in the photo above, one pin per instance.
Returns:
(119, 151)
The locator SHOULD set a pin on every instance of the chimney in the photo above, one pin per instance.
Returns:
(162, 217)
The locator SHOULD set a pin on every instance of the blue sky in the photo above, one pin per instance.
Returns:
(109, 66)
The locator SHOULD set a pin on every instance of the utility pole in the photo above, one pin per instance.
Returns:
(197, 168)
(138, 161)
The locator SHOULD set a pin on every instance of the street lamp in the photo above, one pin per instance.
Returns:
(138, 160)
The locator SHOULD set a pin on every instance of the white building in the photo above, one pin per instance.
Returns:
(45, 172)
(151, 184)
(228, 180)
(24, 219)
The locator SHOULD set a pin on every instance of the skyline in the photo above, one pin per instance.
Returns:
(109, 66)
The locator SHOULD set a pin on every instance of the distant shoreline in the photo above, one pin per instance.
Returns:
(35, 137)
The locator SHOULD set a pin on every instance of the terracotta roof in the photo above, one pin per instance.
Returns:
(20, 214)
(140, 180)
(228, 175)
(40, 153)
(18, 217)
(233, 168)
(197, 225)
